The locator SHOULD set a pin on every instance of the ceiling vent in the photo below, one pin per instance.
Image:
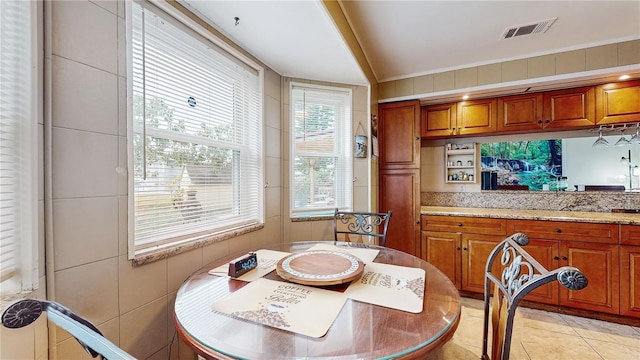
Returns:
(527, 29)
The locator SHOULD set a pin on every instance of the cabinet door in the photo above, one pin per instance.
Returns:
(476, 117)
(442, 250)
(438, 120)
(475, 251)
(569, 108)
(618, 102)
(546, 253)
(630, 281)
(520, 112)
(399, 135)
(400, 193)
(600, 264)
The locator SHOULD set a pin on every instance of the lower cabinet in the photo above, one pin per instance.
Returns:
(608, 255)
(630, 270)
(462, 249)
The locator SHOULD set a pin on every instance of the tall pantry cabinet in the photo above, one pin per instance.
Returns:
(399, 173)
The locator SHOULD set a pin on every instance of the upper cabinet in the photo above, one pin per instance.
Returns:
(557, 110)
(457, 119)
(399, 135)
(618, 102)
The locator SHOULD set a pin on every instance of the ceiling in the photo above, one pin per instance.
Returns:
(403, 39)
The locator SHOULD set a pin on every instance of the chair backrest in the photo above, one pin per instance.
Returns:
(361, 224)
(25, 312)
(521, 274)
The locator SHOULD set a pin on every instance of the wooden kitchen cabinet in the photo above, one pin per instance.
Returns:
(560, 109)
(460, 246)
(618, 102)
(592, 248)
(399, 135)
(400, 193)
(630, 270)
(458, 119)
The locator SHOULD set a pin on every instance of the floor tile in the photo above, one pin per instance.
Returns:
(613, 351)
(604, 331)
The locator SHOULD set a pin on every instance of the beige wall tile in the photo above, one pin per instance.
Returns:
(571, 61)
(85, 164)
(387, 90)
(489, 74)
(423, 84)
(84, 230)
(181, 266)
(122, 47)
(140, 285)
(85, 98)
(444, 81)
(514, 70)
(85, 32)
(321, 230)
(90, 290)
(272, 84)
(243, 243)
(300, 231)
(215, 251)
(273, 201)
(601, 57)
(109, 5)
(121, 171)
(69, 347)
(273, 143)
(273, 228)
(404, 87)
(629, 53)
(144, 330)
(361, 198)
(41, 338)
(123, 230)
(541, 66)
(122, 106)
(273, 172)
(272, 112)
(360, 97)
(465, 78)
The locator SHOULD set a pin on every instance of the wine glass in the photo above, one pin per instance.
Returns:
(623, 140)
(635, 139)
(600, 141)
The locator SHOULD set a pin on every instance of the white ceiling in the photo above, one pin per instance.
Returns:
(408, 38)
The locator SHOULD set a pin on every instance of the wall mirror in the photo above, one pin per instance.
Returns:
(607, 160)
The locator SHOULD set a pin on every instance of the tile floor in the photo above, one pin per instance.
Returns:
(542, 335)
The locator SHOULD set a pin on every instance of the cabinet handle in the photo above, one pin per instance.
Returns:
(457, 247)
(564, 258)
(539, 121)
(547, 121)
(464, 248)
(417, 222)
(417, 137)
(459, 224)
(556, 258)
(558, 231)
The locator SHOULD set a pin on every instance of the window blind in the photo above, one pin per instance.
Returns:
(17, 148)
(197, 135)
(321, 141)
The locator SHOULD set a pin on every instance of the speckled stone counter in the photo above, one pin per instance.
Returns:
(575, 216)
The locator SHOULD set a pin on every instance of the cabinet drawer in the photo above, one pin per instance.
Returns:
(566, 230)
(630, 234)
(468, 225)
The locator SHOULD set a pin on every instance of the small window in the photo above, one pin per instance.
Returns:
(321, 166)
(18, 147)
(196, 153)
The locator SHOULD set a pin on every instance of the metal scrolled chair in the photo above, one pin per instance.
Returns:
(521, 274)
(361, 224)
(25, 312)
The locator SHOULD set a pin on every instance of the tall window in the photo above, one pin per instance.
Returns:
(195, 136)
(18, 121)
(321, 166)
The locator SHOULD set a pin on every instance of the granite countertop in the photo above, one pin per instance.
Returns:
(575, 216)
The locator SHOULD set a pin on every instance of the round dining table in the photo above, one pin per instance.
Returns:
(360, 331)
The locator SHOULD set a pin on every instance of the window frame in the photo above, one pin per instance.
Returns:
(344, 132)
(180, 20)
(25, 276)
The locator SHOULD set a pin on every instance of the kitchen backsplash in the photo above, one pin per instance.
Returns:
(538, 200)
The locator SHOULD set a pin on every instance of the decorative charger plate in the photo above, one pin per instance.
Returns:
(320, 268)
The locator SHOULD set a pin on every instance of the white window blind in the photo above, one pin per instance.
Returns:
(18, 253)
(196, 144)
(321, 174)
